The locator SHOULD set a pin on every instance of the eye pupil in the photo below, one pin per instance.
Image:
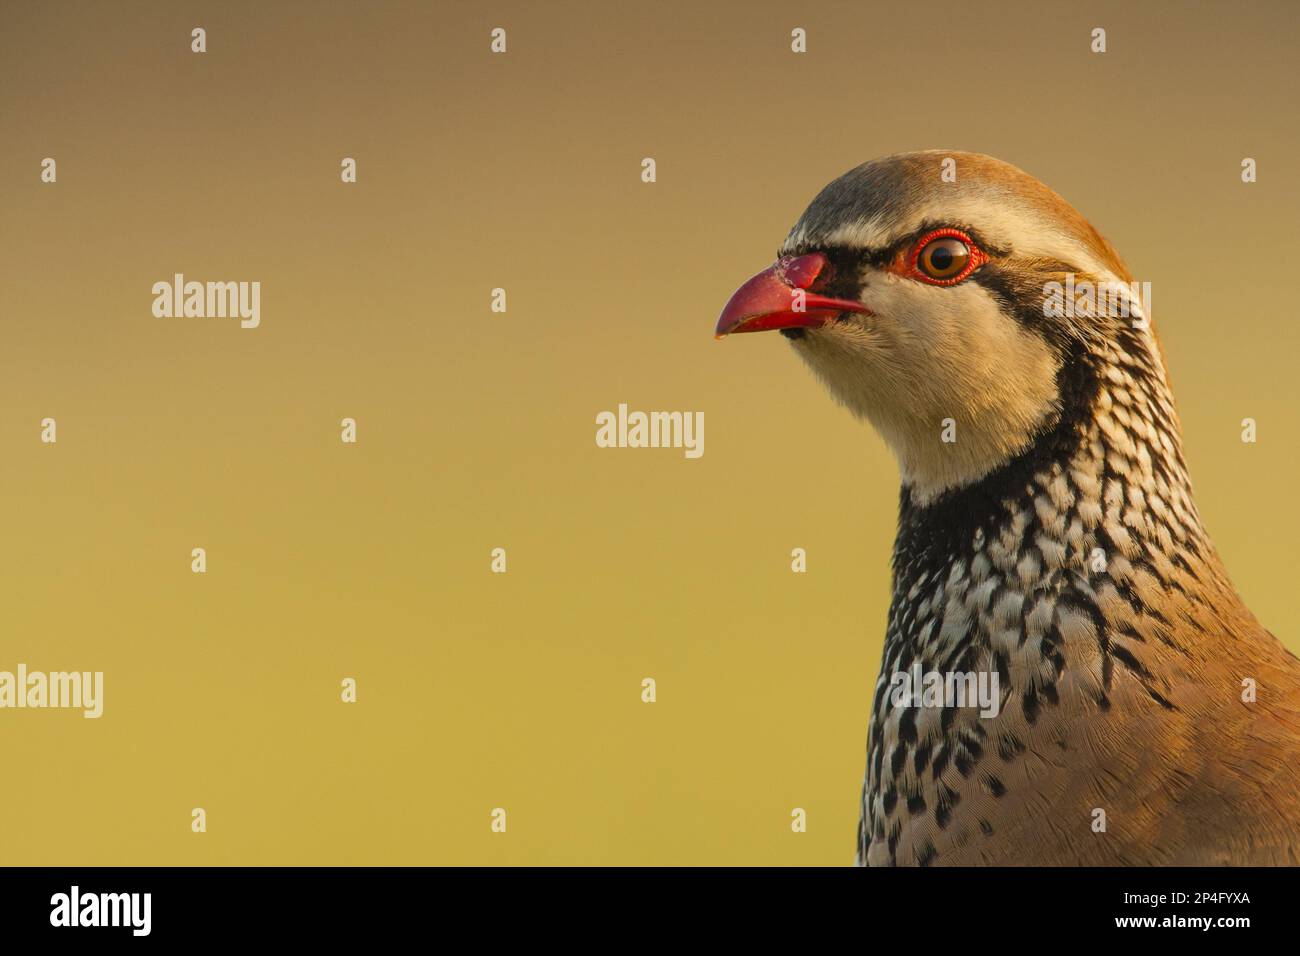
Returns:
(944, 258)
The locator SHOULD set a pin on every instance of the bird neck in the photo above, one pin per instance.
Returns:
(1103, 488)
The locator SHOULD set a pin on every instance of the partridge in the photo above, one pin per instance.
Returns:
(1047, 537)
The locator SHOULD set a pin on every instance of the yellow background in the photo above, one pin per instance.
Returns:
(477, 430)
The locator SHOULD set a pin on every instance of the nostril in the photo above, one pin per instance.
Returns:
(800, 272)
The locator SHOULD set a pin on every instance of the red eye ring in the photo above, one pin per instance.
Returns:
(976, 257)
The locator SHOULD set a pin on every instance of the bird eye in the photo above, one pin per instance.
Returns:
(945, 257)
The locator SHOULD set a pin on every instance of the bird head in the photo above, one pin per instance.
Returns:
(918, 298)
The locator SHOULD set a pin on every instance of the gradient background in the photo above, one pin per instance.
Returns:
(477, 430)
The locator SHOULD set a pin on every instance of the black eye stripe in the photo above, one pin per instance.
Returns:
(882, 255)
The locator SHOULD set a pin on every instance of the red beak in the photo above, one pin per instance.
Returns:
(776, 299)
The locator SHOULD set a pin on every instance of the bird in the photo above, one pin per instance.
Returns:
(1047, 539)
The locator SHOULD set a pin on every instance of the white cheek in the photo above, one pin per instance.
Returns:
(930, 326)
(932, 354)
